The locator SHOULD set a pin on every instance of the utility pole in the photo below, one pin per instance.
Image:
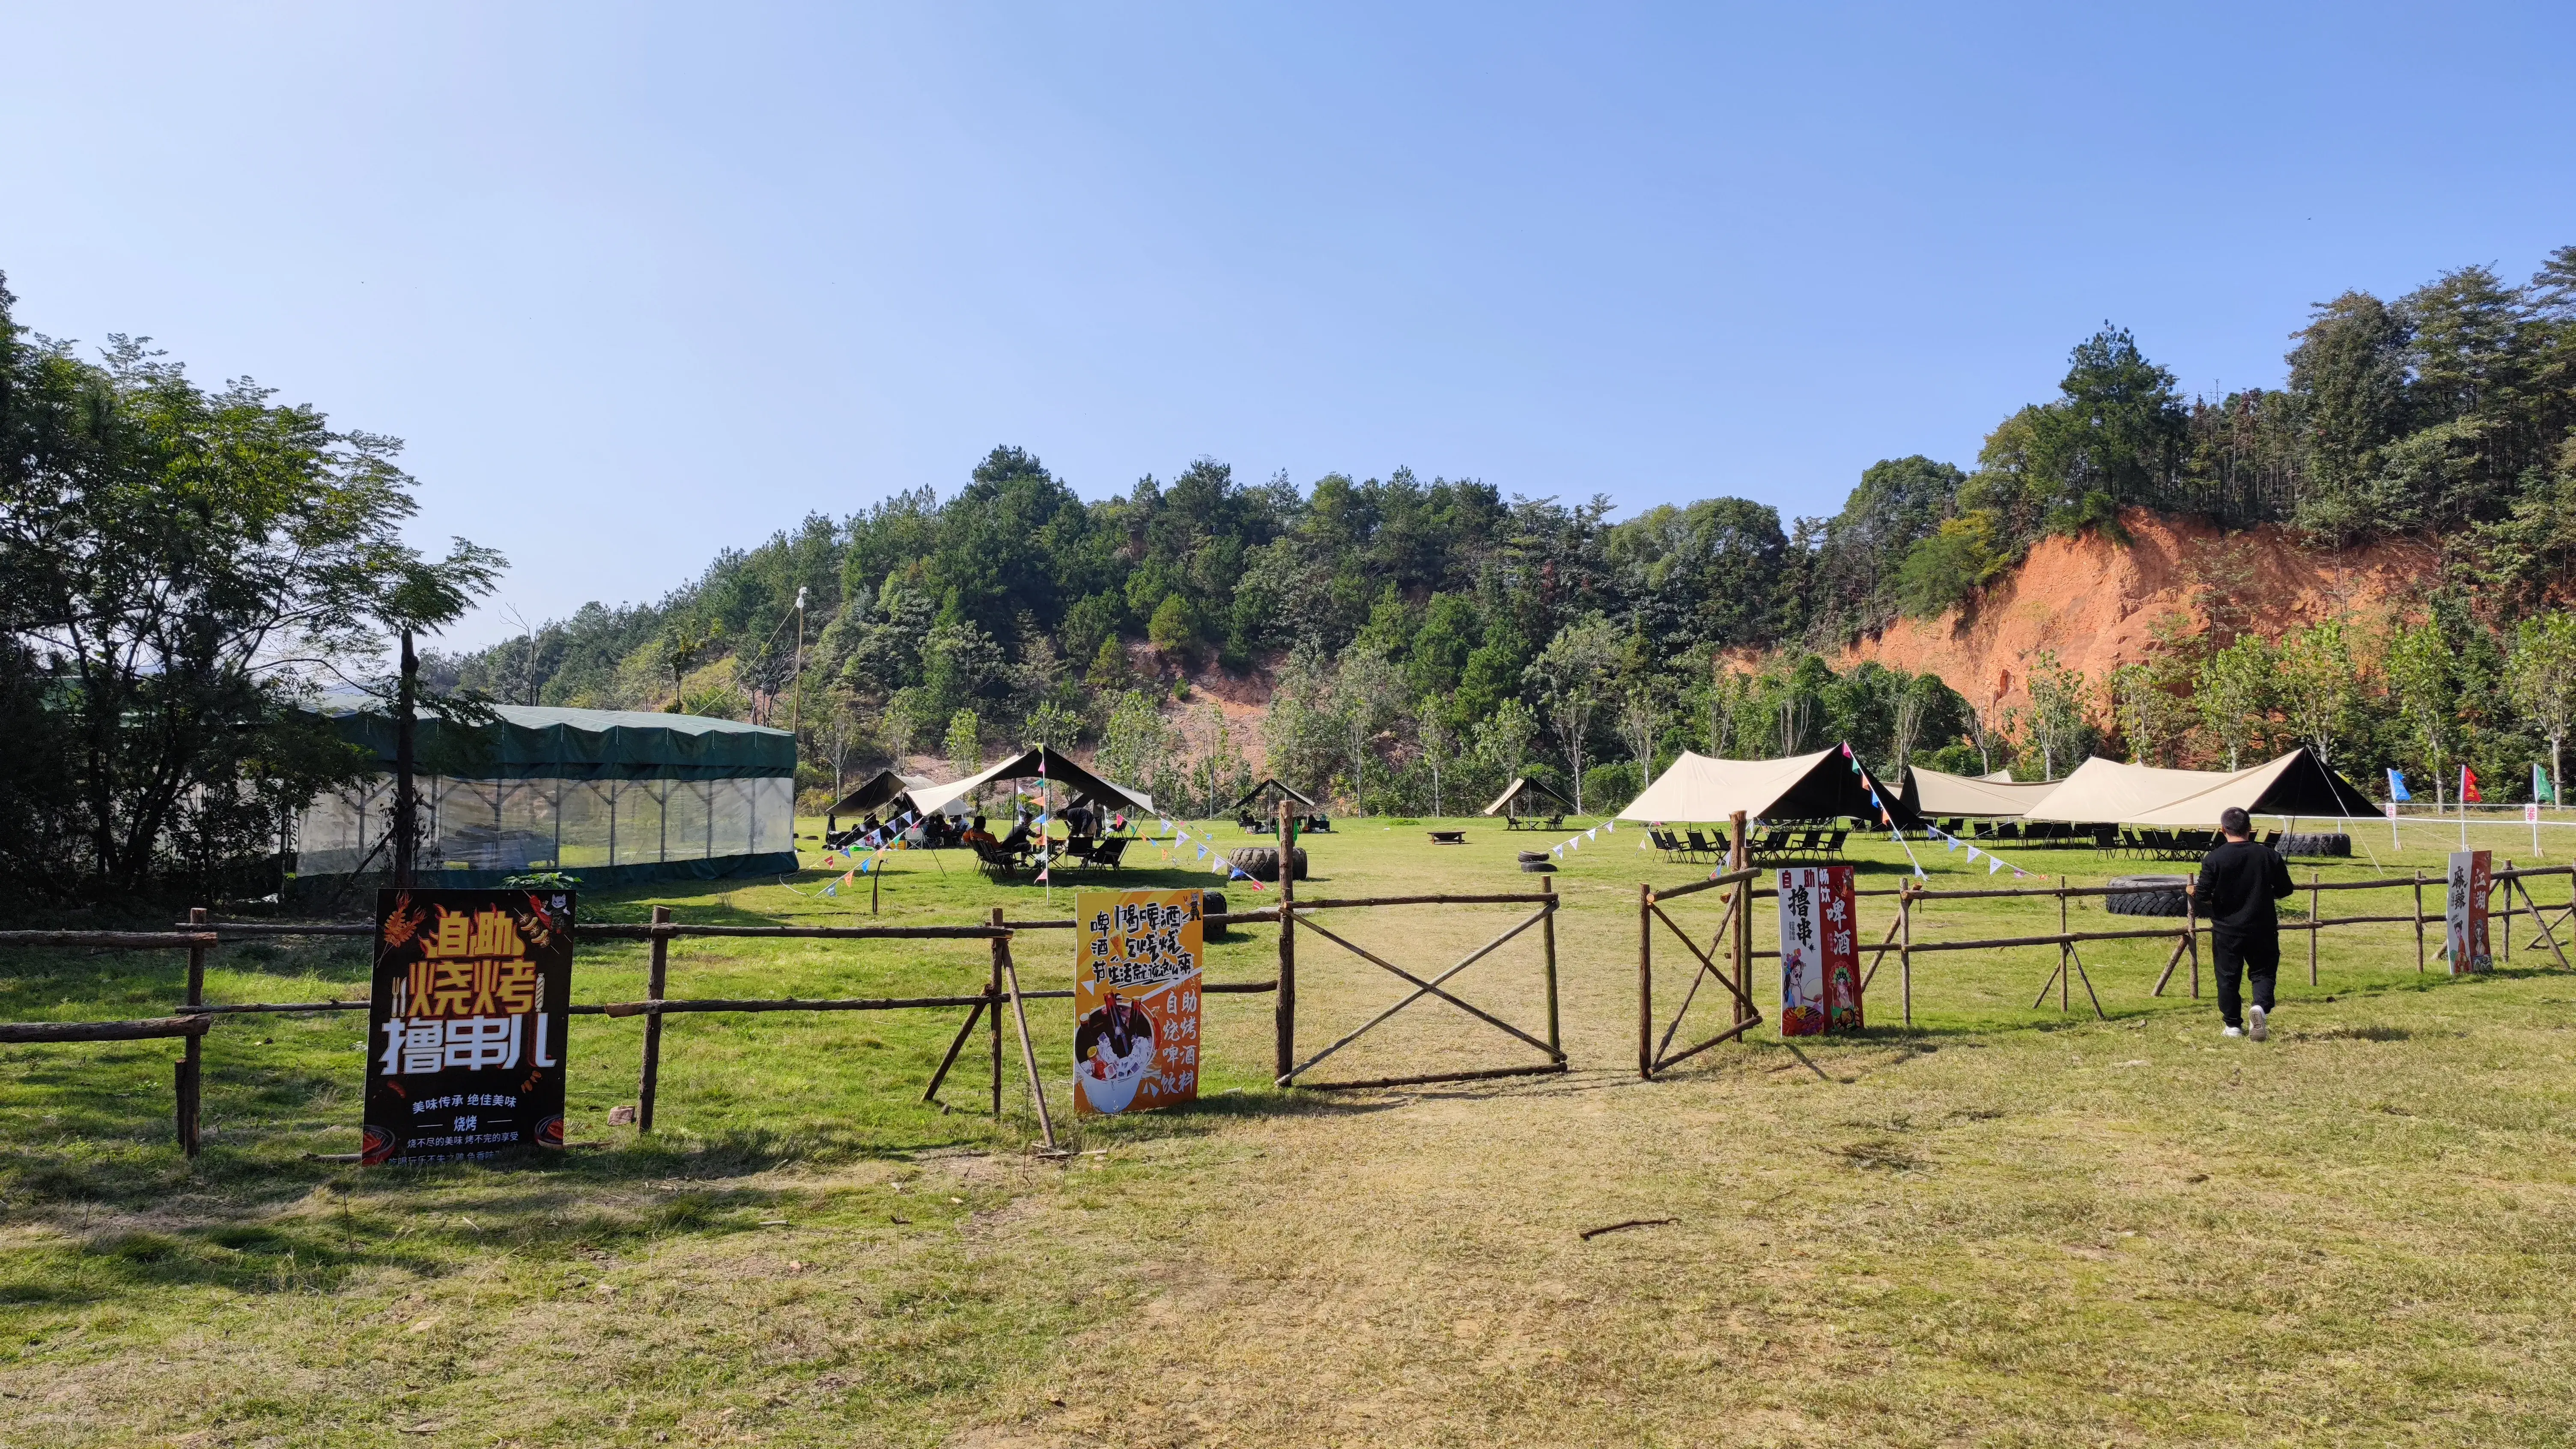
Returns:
(796, 676)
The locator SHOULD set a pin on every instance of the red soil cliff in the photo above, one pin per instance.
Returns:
(2095, 601)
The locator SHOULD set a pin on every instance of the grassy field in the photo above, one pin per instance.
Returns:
(2005, 1226)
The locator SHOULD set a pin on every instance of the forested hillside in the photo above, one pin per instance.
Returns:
(1431, 637)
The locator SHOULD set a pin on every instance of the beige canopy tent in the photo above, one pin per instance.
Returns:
(1930, 793)
(1803, 787)
(1039, 763)
(2108, 792)
(1517, 795)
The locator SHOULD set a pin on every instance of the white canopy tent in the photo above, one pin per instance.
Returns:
(1930, 793)
(1802, 787)
(2108, 791)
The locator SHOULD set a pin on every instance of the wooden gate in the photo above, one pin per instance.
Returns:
(1298, 918)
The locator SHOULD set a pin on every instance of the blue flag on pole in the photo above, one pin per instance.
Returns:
(2397, 786)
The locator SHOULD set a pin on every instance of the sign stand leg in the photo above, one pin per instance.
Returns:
(1028, 1049)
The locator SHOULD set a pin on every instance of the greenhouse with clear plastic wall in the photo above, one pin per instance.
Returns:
(615, 797)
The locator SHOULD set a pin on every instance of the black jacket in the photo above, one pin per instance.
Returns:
(2238, 883)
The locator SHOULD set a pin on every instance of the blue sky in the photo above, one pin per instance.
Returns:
(638, 282)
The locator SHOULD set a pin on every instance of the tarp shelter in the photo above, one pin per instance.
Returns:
(1931, 794)
(876, 793)
(1802, 787)
(1522, 792)
(1026, 765)
(614, 796)
(1253, 795)
(2109, 792)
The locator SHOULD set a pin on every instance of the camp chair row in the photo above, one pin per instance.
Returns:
(2172, 844)
(1533, 822)
(1775, 845)
(2033, 832)
(1009, 862)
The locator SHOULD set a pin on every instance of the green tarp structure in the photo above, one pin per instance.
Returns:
(616, 797)
(538, 742)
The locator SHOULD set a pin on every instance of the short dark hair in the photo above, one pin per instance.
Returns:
(2235, 821)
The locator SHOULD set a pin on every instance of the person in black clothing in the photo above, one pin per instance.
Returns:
(2238, 883)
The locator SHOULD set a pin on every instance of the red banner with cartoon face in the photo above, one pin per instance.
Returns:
(1819, 951)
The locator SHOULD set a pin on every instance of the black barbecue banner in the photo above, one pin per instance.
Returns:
(465, 1057)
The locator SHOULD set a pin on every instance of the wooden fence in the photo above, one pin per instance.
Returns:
(1733, 940)
(195, 1015)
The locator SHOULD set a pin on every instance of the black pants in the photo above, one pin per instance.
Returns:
(2258, 957)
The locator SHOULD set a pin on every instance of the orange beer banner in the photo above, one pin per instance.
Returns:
(1139, 958)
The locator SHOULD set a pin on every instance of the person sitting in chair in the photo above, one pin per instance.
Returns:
(976, 834)
(1019, 830)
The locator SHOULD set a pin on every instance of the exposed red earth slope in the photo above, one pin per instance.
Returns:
(2096, 602)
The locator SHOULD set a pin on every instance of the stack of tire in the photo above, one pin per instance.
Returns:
(1261, 862)
(1536, 862)
(2146, 895)
(2335, 844)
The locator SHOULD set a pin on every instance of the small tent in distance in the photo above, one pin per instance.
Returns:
(1259, 808)
(1527, 800)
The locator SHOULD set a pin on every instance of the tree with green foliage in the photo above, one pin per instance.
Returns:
(2058, 699)
(179, 570)
(2421, 682)
(965, 743)
(2317, 684)
(2542, 678)
(1575, 671)
(2233, 692)
(1503, 739)
(1438, 743)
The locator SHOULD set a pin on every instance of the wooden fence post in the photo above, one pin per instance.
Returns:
(191, 1067)
(2507, 955)
(1547, 945)
(656, 981)
(993, 989)
(1739, 856)
(2065, 949)
(2191, 933)
(1284, 1000)
(1646, 982)
(2312, 924)
(2419, 922)
(1905, 946)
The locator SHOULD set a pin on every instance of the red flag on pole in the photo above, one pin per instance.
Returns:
(2469, 786)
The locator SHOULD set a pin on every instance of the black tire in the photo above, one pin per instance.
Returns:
(1529, 855)
(1538, 867)
(2146, 895)
(2332, 844)
(1213, 903)
(1261, 862)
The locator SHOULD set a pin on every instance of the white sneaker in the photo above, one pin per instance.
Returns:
(2233, 1031)
(2254, 1025)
